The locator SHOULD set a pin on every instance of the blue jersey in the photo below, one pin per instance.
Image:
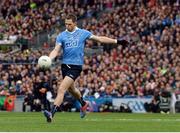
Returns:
(72, 44)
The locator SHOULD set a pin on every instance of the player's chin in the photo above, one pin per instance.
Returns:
(70, 29)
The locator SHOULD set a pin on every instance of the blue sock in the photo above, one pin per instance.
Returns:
(54, 109)
(82, 102)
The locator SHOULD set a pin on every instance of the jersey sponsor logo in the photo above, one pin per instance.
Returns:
(71, 44)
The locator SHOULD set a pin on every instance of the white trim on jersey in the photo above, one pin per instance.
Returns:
(59, 44)
(76, 28)
(91, 36)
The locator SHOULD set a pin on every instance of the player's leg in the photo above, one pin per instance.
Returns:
(77, 94)
(66, 83)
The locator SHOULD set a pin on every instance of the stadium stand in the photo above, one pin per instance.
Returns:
(147, 67)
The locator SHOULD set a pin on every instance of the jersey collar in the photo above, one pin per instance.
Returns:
(76, 28)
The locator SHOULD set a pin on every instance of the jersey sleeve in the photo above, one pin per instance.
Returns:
(59, 40)
(87, 34)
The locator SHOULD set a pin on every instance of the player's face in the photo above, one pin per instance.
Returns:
(70, 25)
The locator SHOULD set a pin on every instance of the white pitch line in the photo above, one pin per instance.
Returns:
(135, 120)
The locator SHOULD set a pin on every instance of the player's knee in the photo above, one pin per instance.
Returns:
(71, 89)
(61, 90)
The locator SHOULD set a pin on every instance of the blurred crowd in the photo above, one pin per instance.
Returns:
(149, 65)
(30, 17)
(146, 67)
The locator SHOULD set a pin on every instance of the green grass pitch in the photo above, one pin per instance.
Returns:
(94, 122)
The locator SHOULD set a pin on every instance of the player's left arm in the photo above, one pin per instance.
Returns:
(107, 40)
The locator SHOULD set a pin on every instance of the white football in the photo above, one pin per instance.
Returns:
(44, 62)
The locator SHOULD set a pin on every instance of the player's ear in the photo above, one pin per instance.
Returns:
(75, 23)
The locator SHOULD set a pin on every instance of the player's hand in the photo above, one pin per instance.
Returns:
(124, 41)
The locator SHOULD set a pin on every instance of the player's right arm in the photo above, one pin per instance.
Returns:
(57, 47)
(55, 51)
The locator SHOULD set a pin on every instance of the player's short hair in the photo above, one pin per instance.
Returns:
(72, 17)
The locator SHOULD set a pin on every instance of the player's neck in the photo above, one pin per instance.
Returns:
(71, 32)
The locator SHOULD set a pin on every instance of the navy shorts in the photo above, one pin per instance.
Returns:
(72, 71)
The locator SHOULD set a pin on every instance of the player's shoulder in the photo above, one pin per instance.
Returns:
(83, 29)
(61, 34)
